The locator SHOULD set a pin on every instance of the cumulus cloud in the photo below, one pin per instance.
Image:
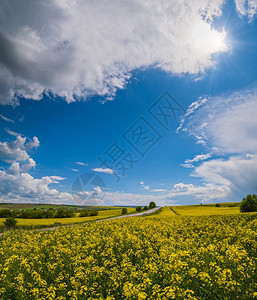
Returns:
(29, 165)
(123, 198)
(33, 144)
(180, 193)
(205, 193)
(17, 150)
(17, 185)
(103, 170)
(76, 49)
(227, 125)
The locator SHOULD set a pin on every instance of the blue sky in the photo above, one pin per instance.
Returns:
(66, 99)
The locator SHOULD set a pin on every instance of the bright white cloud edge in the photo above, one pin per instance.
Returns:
(42, 53)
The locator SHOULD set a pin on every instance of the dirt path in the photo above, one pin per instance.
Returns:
(107, 219)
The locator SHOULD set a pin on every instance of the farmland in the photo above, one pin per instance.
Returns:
(193, 252)
(103, 214)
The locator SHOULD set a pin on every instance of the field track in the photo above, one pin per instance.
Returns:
(112, 218)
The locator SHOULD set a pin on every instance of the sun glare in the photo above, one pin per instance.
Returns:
(208, 40)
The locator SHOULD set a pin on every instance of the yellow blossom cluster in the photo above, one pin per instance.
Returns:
(163, 256)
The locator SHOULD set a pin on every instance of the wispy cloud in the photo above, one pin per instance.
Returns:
(103, 170)
(159, 190)
(6, 119)
(13, 133)
(200, 157)
(57, 179)
(228, 125)
(188, 166)
(81, 163)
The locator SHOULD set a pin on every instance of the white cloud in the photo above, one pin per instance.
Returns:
(57, 179)
(98, 190)
(247, 8)
(104, 170)
(81, 163)
(13, 133)
(227, 123)
(17, 185)
(29, 165)
(80, 48)
(33, 144)
(228, 126)
(198, 157)
(122, 198)
(142, 182)
(188, 166)
(236, 172)
(23, 184)
(190, 111)
(159, 190)
(147, 187)
(74, 170)
(17, 150)
(189, 162)
(206, 192)
(6, 119)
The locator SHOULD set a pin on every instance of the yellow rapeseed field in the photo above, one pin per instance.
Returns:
(163, 256)
(103, 214)
(200, 210)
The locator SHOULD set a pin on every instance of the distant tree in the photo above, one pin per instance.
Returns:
(217, 204)
(65, 213)
(50, 213)
(10, 222)
(124, 211)
(5, 213)
(139, 208)
(249, 203)
(145, 208)
(84, 213)
(93, 212)
(152, 205)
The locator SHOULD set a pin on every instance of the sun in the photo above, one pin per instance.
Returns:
(207, 40)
